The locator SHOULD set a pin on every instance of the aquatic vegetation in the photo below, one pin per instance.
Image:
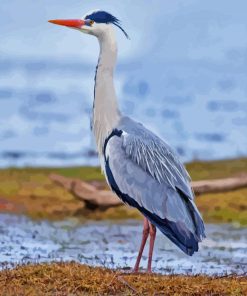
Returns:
(76, 279)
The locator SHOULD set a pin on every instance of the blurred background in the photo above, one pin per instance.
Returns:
(183, 73)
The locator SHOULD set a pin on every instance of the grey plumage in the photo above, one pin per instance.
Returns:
(146, 173)
(153, 155)
(139, 167)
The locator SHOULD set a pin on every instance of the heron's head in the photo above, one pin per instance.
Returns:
(94, 23)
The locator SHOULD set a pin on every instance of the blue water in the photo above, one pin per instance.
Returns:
(183, 73)
(45, 109)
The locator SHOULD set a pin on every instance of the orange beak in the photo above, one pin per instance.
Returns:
(69, 23)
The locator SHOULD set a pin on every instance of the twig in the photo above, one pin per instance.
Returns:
(123, 281)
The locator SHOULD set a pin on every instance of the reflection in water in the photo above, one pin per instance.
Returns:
(116, 245)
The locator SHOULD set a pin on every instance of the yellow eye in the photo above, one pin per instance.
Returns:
(91, 22)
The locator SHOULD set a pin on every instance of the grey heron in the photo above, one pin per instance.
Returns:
(142, 169)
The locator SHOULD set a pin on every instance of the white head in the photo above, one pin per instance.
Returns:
(95, 23)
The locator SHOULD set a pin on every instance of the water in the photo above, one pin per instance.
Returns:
(187, 81)
(45, 110)
(115, 246)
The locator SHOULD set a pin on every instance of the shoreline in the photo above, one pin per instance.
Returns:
(30, 192)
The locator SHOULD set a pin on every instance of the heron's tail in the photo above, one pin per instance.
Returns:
(185, 237)
(179, 234)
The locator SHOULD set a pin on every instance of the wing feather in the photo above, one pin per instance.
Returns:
(154, 156)
(170, 210)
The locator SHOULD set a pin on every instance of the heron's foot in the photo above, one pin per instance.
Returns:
(135, 270)
(129, 272)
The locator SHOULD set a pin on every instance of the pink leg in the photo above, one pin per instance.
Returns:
(144, 239)
(152, 232)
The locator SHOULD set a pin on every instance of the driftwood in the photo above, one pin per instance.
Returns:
(219, 185)
(96, 197)
(93, 197)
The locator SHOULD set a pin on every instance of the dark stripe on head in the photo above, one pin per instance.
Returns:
(101, 17)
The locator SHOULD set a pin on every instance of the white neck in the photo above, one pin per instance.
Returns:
(105, 111)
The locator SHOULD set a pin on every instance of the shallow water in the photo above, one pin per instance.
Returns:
(115, 245)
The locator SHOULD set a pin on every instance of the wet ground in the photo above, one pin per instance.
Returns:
(115, 245)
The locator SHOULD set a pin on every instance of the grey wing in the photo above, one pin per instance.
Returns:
(174, 214)
(154, 156)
